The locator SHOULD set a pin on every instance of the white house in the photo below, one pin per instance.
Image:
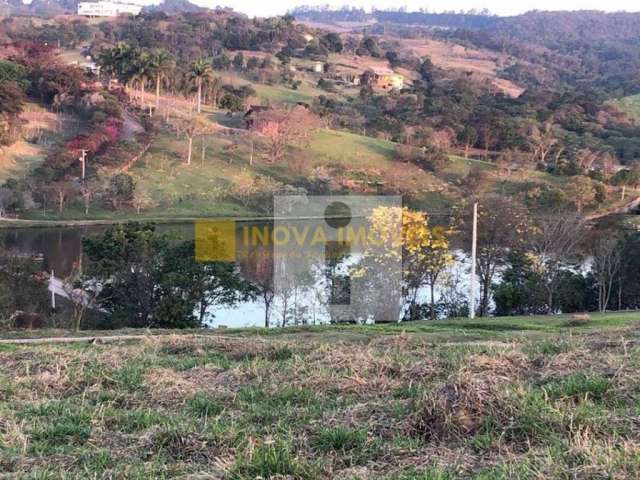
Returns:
(107, 9)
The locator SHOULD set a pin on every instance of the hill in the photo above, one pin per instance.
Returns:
(173, 7)
(502, 398)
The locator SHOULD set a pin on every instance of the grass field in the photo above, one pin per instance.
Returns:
(355, 163)
(495, 399)
(17, 159)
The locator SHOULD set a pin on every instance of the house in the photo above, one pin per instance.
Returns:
(107, 9)
(382, 78)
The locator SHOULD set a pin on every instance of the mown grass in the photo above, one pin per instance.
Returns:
(530, 399)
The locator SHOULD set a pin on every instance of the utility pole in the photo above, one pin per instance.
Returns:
(83, 159)
(472, 280)
(53, 292)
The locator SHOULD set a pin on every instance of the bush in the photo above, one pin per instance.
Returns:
(429, 158)
(326, 85)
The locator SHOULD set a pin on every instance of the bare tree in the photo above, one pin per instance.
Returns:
(81, 300)
(585, 159)
(555, 244)
(142, 200)
(607, 259)
(282, 127)
(503, 227)
(63, 191)
(190, 127)
(6, 197)
(542, 141)
(88, 191)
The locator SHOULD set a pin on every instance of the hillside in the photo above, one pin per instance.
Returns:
(510, 398)
(547, 147)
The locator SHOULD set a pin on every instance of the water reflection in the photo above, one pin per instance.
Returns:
(300, 296)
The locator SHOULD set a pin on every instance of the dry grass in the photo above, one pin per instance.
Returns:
(482, 64)
(387, 406)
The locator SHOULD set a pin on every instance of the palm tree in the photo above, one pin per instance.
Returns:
(108, 64)
(201, 71)
(115, 61)
(162, 64)
(141, 70)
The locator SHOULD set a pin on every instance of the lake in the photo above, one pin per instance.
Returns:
(300, 298)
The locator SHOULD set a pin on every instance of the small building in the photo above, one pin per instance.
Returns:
(318, 67)
(382, 78)
(107, 9)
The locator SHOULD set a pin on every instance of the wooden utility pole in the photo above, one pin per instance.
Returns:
(83, 161)
(472, 280)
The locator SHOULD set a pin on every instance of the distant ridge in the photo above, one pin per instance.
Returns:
(173, 7)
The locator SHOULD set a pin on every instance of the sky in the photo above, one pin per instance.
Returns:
(500, 7)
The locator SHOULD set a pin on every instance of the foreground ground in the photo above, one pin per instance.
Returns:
(508, 398)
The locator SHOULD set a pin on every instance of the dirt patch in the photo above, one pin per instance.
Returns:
(456, 409)
(189, 447)
(482, 64)
(501, 367)
(169, 388)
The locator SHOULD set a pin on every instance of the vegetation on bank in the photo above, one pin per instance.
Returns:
(360, 403)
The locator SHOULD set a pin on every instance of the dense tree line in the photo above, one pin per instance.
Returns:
(324, 14)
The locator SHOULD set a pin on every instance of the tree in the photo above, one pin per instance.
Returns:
(257, 266)
(607, 259)
(122, 187)
(468, 137)
(80, 299)
(503, 227)
(582, 192)
(332, 42)
(142, 200)
(209, 284)
(141, 278)
(426, 255)
(282, 127)
(191, 128)
(88, 190)
(231, 102)
(201, 72)
(162, 64)
(542, 141)
(22, 287)
(50, 82)
(142, 70)
(554, 244)
(11, 101)
(63, 191)
(238, 62)
(215, 90)
(15, 73)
